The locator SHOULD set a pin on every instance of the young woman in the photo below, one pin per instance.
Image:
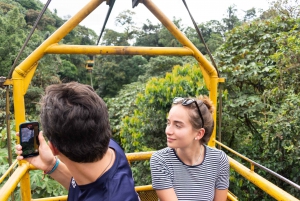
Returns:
(188, 169)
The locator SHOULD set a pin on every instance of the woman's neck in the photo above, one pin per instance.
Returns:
(191, 156)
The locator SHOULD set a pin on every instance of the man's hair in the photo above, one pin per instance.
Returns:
(75, 120)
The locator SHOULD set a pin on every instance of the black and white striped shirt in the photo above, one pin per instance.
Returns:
(190, 182)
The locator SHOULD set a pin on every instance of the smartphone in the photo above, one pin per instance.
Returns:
(29, 140)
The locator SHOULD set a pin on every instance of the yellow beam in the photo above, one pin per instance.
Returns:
(231, 197)
(19, 105)
(180, 37)
(213, 95)
(58, 198)
(118, 50)
(58, 35)
(8, 82)
(140, 156)
(144, 188)
(23, 73)
(13, 181)
(8, 171)
(209, 72)
(261, 182)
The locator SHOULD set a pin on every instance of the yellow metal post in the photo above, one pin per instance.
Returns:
(213, 95)
(118, 50)
(13, 181)
(209, 72)
(261, 182)
(23, 74)
(58, 35)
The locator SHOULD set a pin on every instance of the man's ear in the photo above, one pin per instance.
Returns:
(53, 149)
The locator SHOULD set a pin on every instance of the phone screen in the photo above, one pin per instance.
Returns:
(29, 141)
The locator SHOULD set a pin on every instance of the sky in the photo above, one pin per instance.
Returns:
(201, 10)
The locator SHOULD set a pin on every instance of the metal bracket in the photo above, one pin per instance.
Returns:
(110, 2)
(5, 82)
(135, 3)
(2, 80)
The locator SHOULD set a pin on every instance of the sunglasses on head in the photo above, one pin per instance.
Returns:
(188, 101)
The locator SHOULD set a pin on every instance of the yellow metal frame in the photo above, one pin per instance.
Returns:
(23, 74)
(88, 66)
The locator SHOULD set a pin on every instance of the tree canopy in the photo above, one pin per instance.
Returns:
(257, 54)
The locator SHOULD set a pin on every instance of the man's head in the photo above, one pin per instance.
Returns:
(75, 120)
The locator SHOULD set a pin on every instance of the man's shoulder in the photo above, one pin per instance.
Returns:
(114, 144)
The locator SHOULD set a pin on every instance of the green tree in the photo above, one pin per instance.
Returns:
(158, 66)
(30, 4)
(288, 8)
(231, 20)
(166, 39)
(149, 35)
(125, 20)
(13, 34)
(249, 14)
(144, 128)
(212, 33)
(122, 105)
(285, 8)
(259, 94)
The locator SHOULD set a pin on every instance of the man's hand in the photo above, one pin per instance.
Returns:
(44, 161)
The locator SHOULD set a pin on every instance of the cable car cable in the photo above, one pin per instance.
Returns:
(111, 5)
(9, 77)
(27, 39)
(215, 65)
(201, 37)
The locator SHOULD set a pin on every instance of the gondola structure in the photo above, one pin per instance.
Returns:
(22, 75)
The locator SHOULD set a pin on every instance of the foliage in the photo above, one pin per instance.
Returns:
(43, 186)
(149, 35)
(287, 8)
(284, 8)
(68, 71)
(260, 114)
(260, 61)
(122, 105)
(159, 66)
(232, 20)
(143, 129)
(166, 39)
(32, 15)
(16, 20)
(12, 29)
(4, 164)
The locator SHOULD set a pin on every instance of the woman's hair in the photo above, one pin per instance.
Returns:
(207, 109)
(75, 119)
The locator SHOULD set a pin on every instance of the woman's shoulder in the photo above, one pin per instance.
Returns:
(212, 151)
(162, 153)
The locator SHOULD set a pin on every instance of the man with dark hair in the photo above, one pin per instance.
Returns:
(93, 167)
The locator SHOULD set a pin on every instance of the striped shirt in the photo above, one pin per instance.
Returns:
(190, 182)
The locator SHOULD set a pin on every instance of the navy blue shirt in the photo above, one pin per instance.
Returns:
(114, 185)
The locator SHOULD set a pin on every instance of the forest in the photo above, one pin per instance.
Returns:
(257, 54)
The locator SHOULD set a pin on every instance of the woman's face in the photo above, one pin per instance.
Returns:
(179, 130)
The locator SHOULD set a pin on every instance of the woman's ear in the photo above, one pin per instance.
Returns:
(53, 149)
(200, 134)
